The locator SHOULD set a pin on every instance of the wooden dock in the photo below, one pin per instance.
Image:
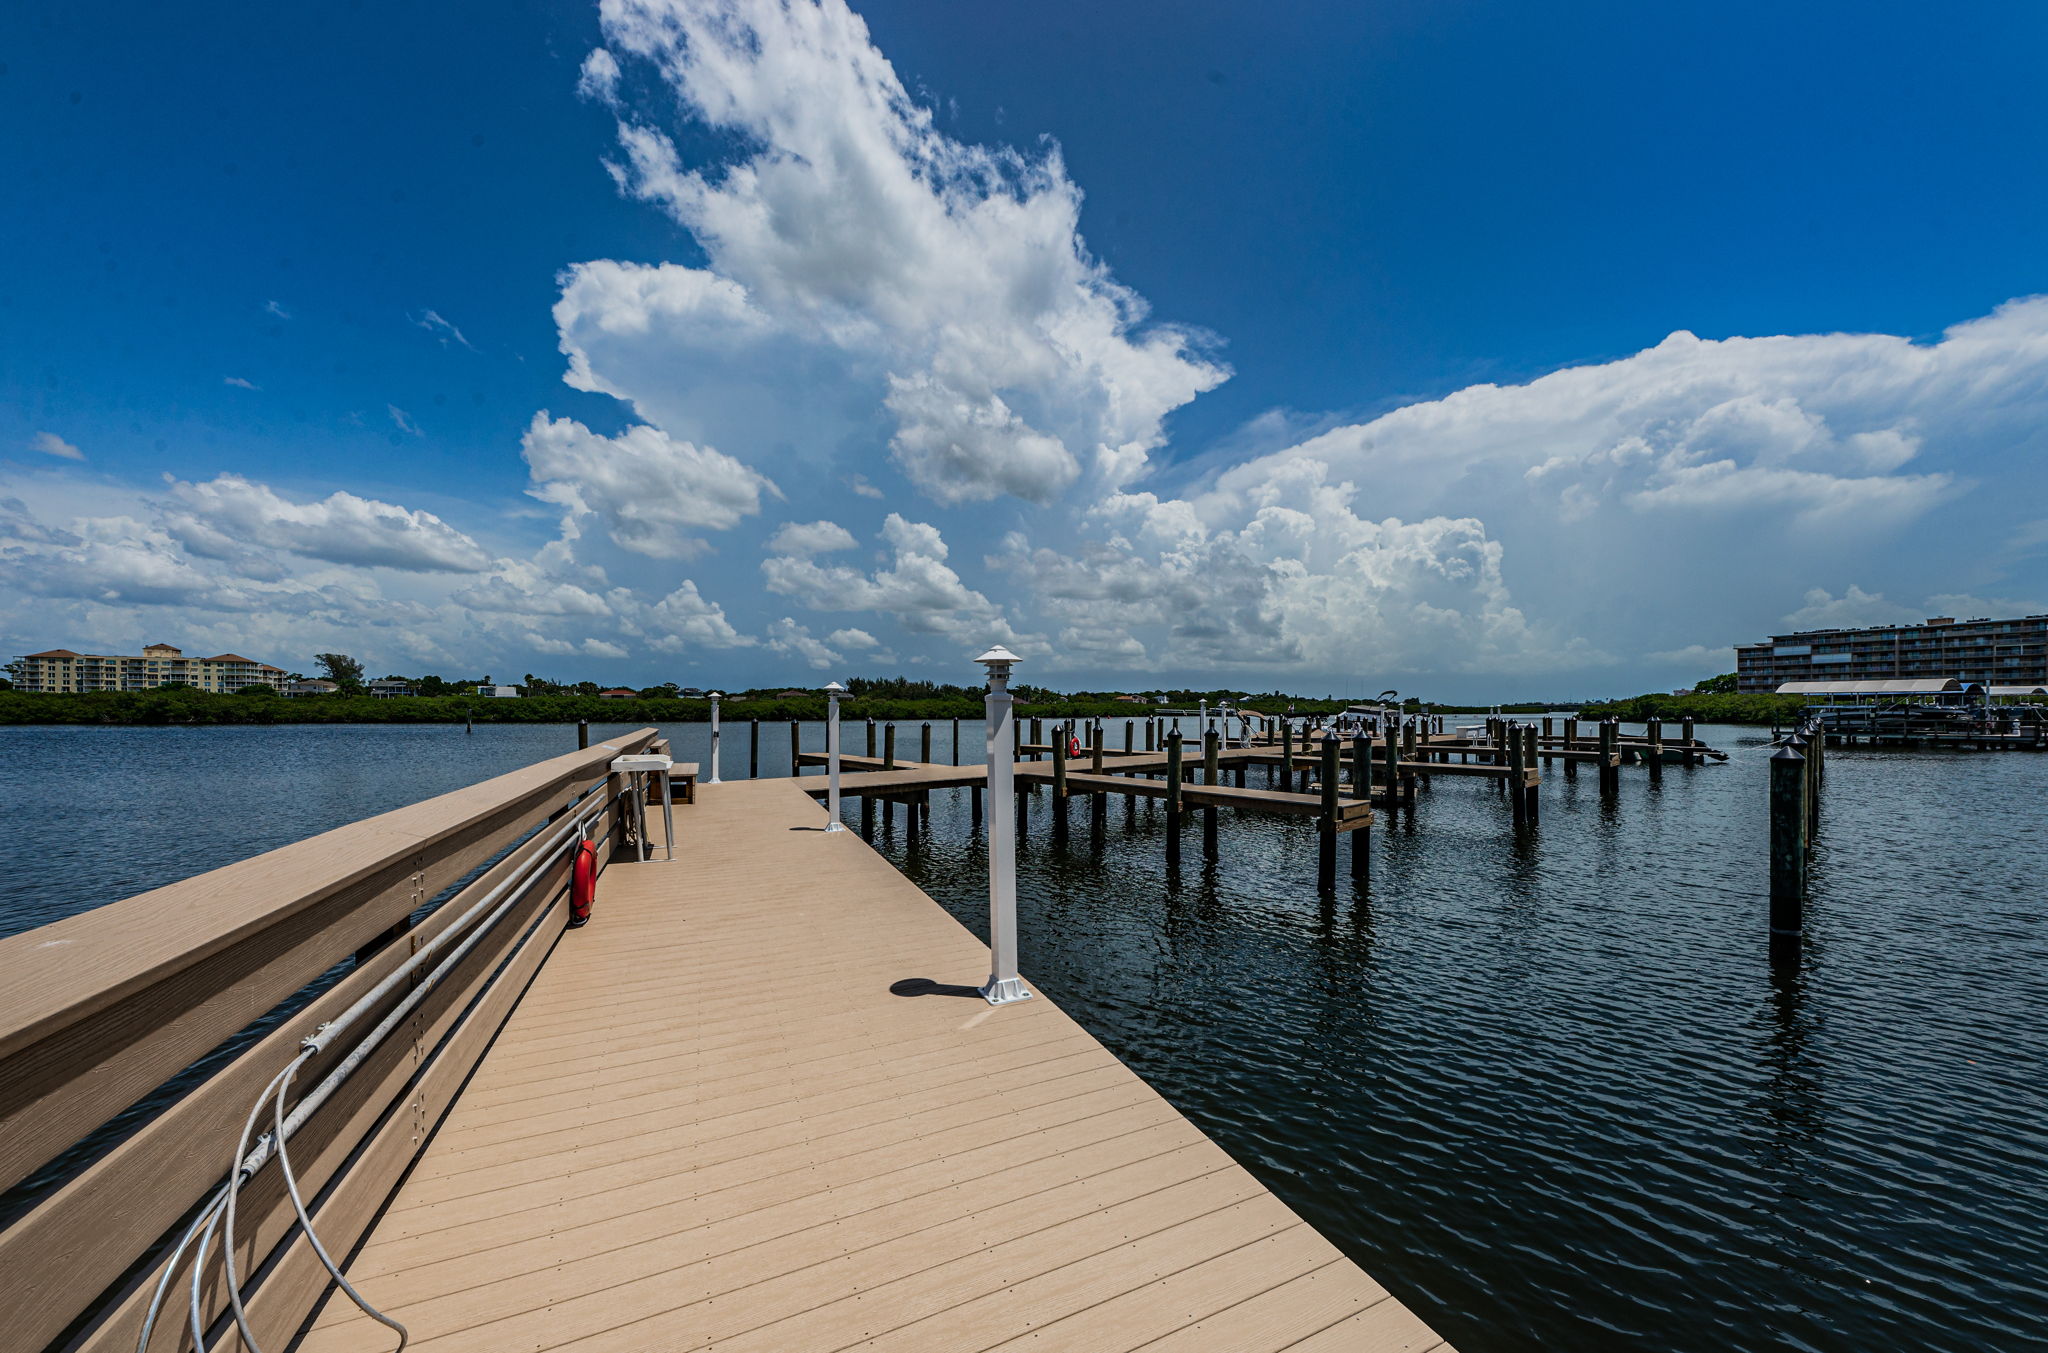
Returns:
(755, 1105)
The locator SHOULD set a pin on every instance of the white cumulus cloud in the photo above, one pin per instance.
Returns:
(858, 253)
(229, 513)
(651, 491)
(50, 444)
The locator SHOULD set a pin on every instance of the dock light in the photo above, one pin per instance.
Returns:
(716, 696)
(1004, 985)
(832, 694)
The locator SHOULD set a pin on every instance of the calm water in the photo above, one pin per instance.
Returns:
(1547, 1089)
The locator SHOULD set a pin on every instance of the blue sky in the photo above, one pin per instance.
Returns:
(1308, 346)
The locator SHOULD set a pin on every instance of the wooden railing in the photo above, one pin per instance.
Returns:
(98, 1012)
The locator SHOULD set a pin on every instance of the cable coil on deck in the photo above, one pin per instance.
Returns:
(218, 1212)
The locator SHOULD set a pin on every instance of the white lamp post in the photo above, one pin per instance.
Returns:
(716, 696)
(1004, 985)
(832, 694)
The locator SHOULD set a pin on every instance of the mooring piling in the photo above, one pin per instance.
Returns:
(1326, 839)
(583, 735)
(1211, 774)
(796, 765)
(1518, 803)
(1788, 845)
(1532, 763)
(1173, 785)
(1059, 786)
(753, 749)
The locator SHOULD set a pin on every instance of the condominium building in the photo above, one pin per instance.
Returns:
(63, 672)
(1981, 652)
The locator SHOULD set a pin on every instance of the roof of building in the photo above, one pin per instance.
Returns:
(228, 657)
(54, 653)
(1890, 686)
(619, 690)
(2018, 690)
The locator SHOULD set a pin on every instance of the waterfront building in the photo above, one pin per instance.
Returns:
(311, 686)
(1982, 652)
(619, 693)
(499, 692)
(389, 687)
(60, 671)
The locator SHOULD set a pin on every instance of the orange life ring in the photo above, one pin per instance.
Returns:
(582, 883)
(1073, 746)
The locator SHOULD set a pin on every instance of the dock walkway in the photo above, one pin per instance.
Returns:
(747, 1108)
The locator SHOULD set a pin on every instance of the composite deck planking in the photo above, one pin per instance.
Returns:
(711, 1123)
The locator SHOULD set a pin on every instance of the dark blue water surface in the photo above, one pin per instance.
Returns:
(1548, 1089)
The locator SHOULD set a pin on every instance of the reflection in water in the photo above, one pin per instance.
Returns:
(1546, 1085)
(1791, 1108)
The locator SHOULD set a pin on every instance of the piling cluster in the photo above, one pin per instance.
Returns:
(1797, 769)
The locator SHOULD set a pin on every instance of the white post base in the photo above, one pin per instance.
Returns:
(835, 825)
(1006, 991)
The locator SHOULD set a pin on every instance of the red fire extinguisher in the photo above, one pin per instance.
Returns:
(582, 883)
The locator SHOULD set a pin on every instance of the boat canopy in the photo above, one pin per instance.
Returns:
(1912, 686)
(2004, 691)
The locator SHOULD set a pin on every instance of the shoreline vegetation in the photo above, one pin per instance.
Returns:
(1724, 708)
(175, 706)
(893, 698)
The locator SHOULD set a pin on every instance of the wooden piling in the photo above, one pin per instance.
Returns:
(1692, 758)
(1534, 763)
(1788, 847)
(871, 739)
(583, 735)
(1173, 783)
(1408, 753)
(1059, 785)
(1130, 731)
(1361, 767)
(956, 741)
(1326, 844)
(1653, 733)
(1287, 756)
(753, 749)
(1610, 748)
(1095, 750)
(1518, 804)
(1212, 773)
(924, 743)
(795, 750)
(888, 747)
